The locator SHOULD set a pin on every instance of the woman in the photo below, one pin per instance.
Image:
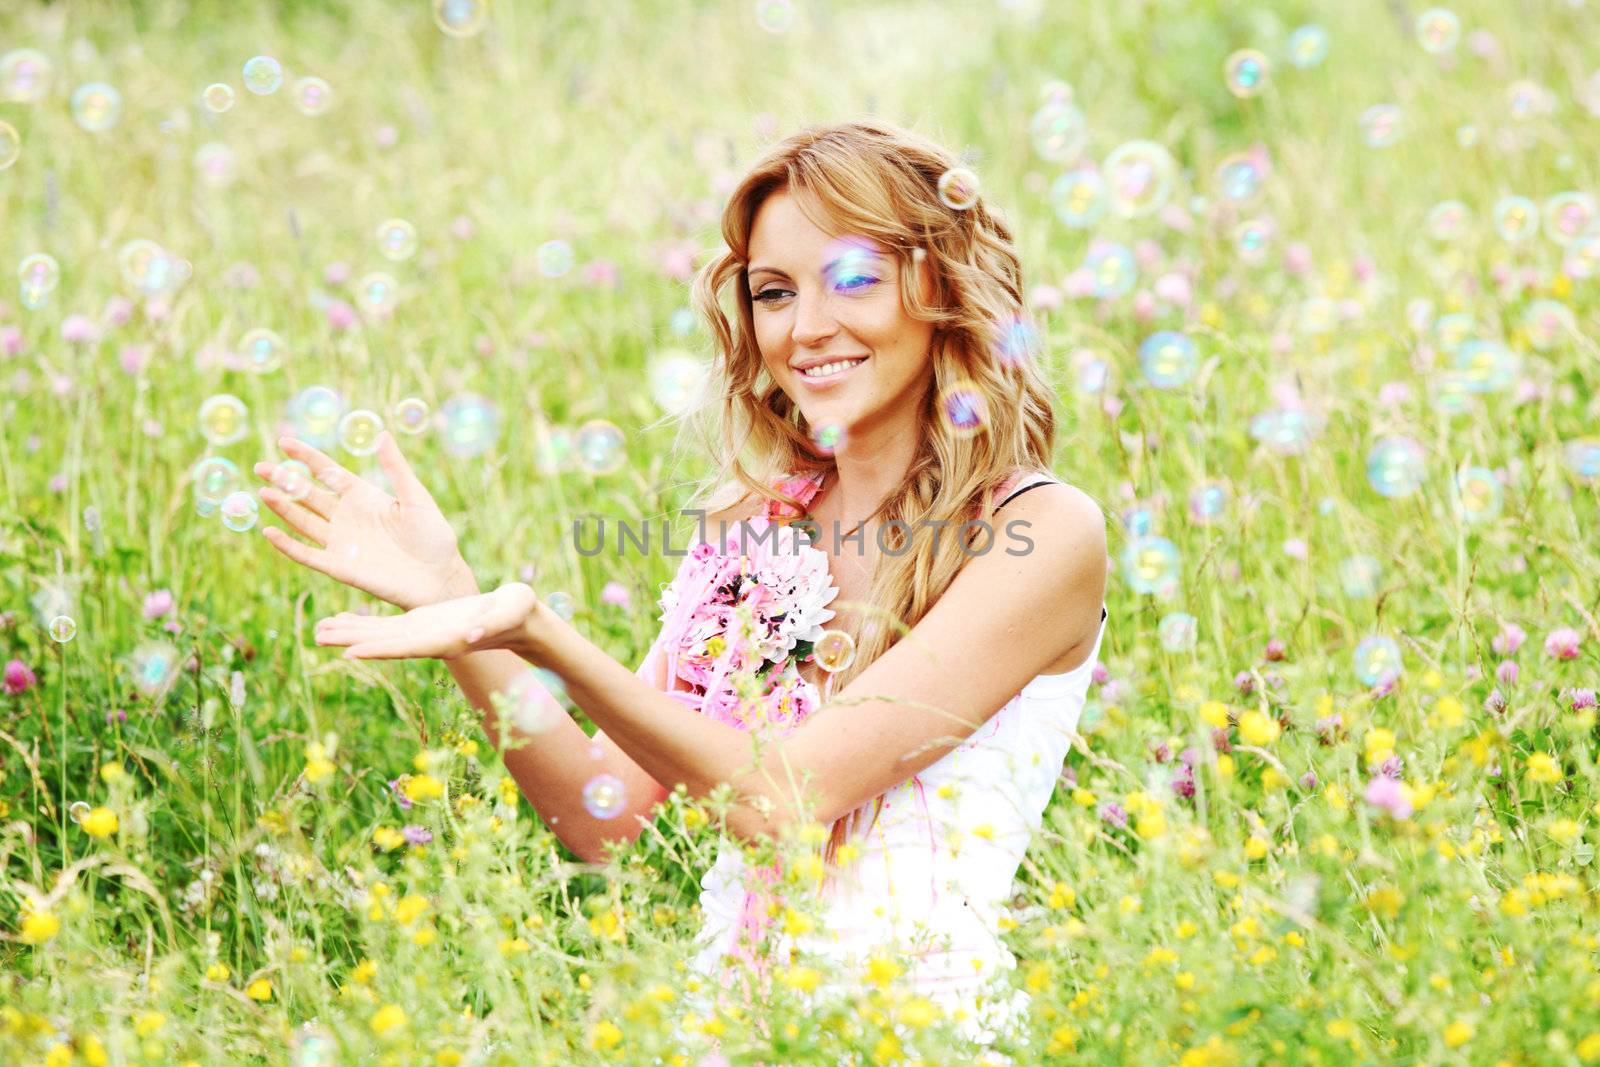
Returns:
(871, 380)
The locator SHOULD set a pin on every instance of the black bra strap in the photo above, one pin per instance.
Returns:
(1019, 492)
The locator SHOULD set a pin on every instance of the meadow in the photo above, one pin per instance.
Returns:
(1315, 282)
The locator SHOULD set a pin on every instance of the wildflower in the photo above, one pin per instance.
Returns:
(919, 1012)
(218, 972)
(1457, 1034)
(1112, 813)
(1582, 699)
(260, 989)
(318, 765)
(38, 924)
(424, 787)
(1330, 728)
(387, 1018)
(1388, 794)
(1183, 781)
(148, 1023)
(388, 838)
(1563, 643)
(1508, 640)
(417, 835)
(18, 678)
(615, 593)
(1258, 728)
(101, 823)
(1215, 714)
(158, 603)
(1308, 781)
(1274, 651)
(1543, 767)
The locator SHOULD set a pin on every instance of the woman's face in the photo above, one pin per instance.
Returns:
(818, 299)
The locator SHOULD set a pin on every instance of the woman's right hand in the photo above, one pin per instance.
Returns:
(399, 548)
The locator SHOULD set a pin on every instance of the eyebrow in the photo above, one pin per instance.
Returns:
(864, 253)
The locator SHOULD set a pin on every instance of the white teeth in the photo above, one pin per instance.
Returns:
(828, 370)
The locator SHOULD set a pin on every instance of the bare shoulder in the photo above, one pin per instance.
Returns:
(1061, 530)
(732, 503)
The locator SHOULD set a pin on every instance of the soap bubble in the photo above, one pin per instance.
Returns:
(1377, 659)
(263, 350)
(471, 425)
(1447, 220)
(604, 796)
(215, 162)
(1486, 366)
(461, 18)
(1059, 131)
(1582, 457)
(223, 419)
(10, 145)
(1017, 343)
(397, 239)
(312, 96)
(96, 106)
(314, 413)
(78, 810)
(1176, 631)
(239, 511)
(359, 430)
(601, 446)
(25, 76)
(1252, 238)
(63, 628)
(37, 277)
(1568, 216)
(1516, 218)
(555, 258)
(292, 478)
(963, 408)
(1240, 177)
(263, 75)
(1208, 502)
(1079, 196)
(213, 479)
(1151, 564)
(1359, 575)
(1438, 30)
(1477, 493)
(1583, 257)
(1381, 125)
(958, 188)
(217, 97)
(411, 415)
(534, 700)
(828, 436)
(554, 448)
(1112, 268)
(1139, 175)
(1453, 330)
(775, 16)
(1451, 391)
(562, 604)
(1168, 359)
(313, 1046)
(1139, 520)
(677, 380)
(1245, 72)
(1284, 430)
(150, 269)
(377, 293)
(1308, 46)
(1396, 466)
(682, 322)
(834, 651)
(1547, 322)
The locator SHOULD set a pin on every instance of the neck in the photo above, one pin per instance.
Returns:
(872, 462)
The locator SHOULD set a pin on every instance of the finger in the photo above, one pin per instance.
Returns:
(303, 554)
(317, 500)
(407, 489)
(326, 470)
(396, 648)
(302, 520)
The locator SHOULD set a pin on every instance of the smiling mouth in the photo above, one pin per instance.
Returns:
(826, 371)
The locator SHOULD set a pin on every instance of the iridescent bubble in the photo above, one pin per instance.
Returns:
(1377, 660)
(1419, 315)
(849, 264)
(154, 664)
(312, 96)
(1447, 220)
(1308, 46)
(397, 239)
(1477, 493)
(1381, 125)
(461, 18)
(217, 97)
(1139, 520)
(1151, 564)
(359, 430)
(1091, 371)
(1568, 216)
(223, 419)
(834, 651)
(1583, 258)
(554, 448)
(1112, 268)
(1516, 218)
(562, 604)
(555, 258)
(313, 1046)
(1359, 575)
(1450, 392)
(213, 478)
(775, 16)
(263, 350)
(150, 269)
(1583, 457)
(1317, 315)
(1079, 196)
(63, 628)
(1018, 342)
(1059, 131)
(1526, 99)
(1396, 466)
(37, 277)
(1438, 30)
(292, 478)
(215, 162)
(958, 188)
(1168, 359)
(1285, 430)
(604, 796)
(314, 413)
(1139, 176)
(963, 409)
(827, 436)
(1546, 322)
(78, 811)
(601, 446)
(96, 106)
(1487, 366)
(682, 322)
(471, 425)
(534, 700)
(25, 76)
(1208, 503)
(10, 145)
(1245, 72)
(1240, 177)
(1176, 631)
(239, 511)
(411, 415)
(677, 380)
(1451, 331)
(377, 293)
(1252, 239)
(263, 75)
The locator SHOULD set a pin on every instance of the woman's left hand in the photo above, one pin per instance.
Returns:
(444, 630)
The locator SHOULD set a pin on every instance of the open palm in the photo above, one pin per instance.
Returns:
(444, 630)
(399, 548)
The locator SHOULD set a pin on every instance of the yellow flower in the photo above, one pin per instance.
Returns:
(388, 838)
(364, 972)
(1062, 896)
(1564, 830)
(1543, 767)
(148, 1023)
(796, 922)
(1255, 846)
(1258, 728)
(801, 978)
(1159, 956)
(1083, 798)
(387, 1018)
(318, 765)
(94, 1053)
(1184, 980)
(1379, 744)
(1457, 1034)
(881, 970)
(513, 946)
(218, 972)
(919, 1012)
(260, 989)
(1186, 930)
(112, 772)
(847, 853)
(1589, 1048)
(39, 926)
(1225, 766)
(813, 833)
(1449, 711)
(1215, 714)
(1151, 824)
(409, 907)
(423, 787)
(101, 822)
(693, 818)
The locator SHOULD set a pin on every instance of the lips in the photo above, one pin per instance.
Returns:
(819, 372)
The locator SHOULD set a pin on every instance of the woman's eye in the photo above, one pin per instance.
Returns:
(761, 297)
(853, 283)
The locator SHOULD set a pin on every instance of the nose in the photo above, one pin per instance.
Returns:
(814, 323)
